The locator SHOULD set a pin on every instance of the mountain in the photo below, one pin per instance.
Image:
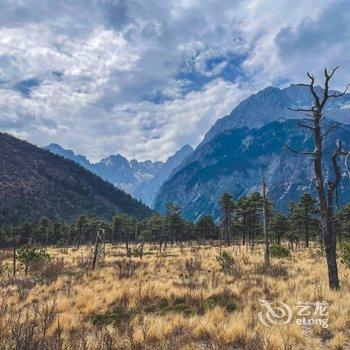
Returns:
(36, 183)
(236, 160)
(148, 189)
(141, 179)
(273, 104)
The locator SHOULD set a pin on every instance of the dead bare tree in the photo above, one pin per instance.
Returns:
(325, 191)
(266, 227)
(98, 238)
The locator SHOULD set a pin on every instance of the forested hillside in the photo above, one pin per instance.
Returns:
(36, 183)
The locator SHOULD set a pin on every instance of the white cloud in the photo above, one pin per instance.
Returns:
(143, 78)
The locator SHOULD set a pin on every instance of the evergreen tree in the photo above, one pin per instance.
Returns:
(279, 226)
(227, 207)
(122, 226)
(307, 207)
(206, 228)
(81, 226)
(248, 217)
(45, 230)
(343, 220)
(174, 222)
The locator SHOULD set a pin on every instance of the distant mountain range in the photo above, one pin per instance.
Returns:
(247, 145)
(140, 179)
(273, 104)
(36, 183)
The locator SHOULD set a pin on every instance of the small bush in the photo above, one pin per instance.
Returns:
(118, 314)
(3, 268)
(177, 305)
(277, 271)
(188, 306)
(29, 255)
(188, 271)
(64, 250)
(278, 251)
(138, 252)
(126, 268)
(226, 262)
(225, 299)
(49, 271)
(345, 254)
(159, 263)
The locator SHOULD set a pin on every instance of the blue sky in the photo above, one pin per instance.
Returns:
(142, 78)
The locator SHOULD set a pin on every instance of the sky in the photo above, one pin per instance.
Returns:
(144, 77)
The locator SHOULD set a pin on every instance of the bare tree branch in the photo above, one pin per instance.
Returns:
(301, 109)
(329, 76)
(334, 126)
(298, 152)
(341, 93)
(306, 126)
(312, 89)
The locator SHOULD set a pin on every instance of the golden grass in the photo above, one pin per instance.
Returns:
(158, 309)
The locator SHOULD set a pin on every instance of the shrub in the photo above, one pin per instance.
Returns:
(29, 255)
(49, 271)
(138, 252)
(345, 254)
(188, 271)
(277, 271)
(226, 262)
(188, 305)
(278, 251)
(126, 268)
(118, 314)
(3, 268)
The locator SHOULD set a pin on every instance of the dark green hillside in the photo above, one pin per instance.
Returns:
(36, 183)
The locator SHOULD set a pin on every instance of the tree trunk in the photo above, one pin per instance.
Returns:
(227, 227)
(266, 229)
(79, 238)
(14, 254)
(326, 206)
(331, 254)
(93, 265)
(307, 234)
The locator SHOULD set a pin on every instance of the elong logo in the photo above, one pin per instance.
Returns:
(280, 314)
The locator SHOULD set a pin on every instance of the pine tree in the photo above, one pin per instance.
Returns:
(307, 207)
(206, 228)
(81, 224)
(227, 206)
(279, 226)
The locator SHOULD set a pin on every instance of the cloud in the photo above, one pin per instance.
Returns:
(316, 43)
(143, 78)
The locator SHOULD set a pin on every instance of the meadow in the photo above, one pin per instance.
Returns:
(182, 298)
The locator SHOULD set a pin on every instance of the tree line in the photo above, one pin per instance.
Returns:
(241, 222)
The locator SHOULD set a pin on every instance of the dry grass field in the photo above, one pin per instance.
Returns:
(180, 299)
